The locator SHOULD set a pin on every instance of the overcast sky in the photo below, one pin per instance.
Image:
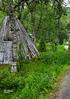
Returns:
(67, 2)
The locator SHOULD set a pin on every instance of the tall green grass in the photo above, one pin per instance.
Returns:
(2, 15)
(37, 77)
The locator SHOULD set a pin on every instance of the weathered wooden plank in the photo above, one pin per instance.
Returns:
(30, 46)
(18, 36)
(4, 29)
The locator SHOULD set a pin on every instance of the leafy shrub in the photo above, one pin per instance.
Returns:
(42, 46)
(58, 57)
(10, 81)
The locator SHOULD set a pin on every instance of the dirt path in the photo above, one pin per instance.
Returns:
(64, 89)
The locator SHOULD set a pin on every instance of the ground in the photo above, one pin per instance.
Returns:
(63, 91)
(37, 78)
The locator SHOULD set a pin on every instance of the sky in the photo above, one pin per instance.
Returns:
(67, 2)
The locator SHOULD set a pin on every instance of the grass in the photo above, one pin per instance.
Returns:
(2, 15)
(37, 78)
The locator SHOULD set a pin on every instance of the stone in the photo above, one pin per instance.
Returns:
(8, 91)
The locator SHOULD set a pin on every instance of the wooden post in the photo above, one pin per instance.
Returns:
(13, 30)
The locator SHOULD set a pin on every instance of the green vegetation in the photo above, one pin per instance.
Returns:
(1, 17)
(37, 77)
(48, 21)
